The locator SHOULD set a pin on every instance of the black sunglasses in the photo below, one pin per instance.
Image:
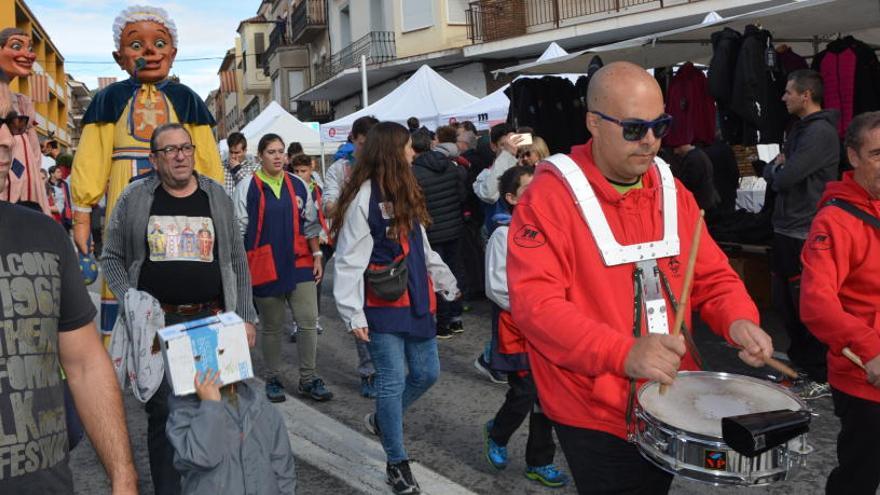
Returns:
(637, 129)
(17, 124)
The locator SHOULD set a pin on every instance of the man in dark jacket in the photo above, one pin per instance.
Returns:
(798, 176)
(442, 182)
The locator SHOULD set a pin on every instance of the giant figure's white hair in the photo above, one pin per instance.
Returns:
(139, 13)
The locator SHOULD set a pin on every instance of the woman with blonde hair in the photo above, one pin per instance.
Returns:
(385, 283)
(531, 154)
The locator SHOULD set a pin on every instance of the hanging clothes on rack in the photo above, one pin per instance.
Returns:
(691, 107)
(851, 73)
(722, 71)
(790, 61)
(758, 88)
(552, 107)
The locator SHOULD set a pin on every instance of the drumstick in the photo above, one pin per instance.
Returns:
(852, 357)
(686, 288)
(781, 367)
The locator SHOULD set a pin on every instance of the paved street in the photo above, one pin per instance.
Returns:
(443, 430)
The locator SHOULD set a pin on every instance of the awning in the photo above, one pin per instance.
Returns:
(799, 21)
(347, 83)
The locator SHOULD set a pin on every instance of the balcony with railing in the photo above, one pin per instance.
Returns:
(493, 20)
(308, 21)
(314, 111)
(378, 46)
(277, 39)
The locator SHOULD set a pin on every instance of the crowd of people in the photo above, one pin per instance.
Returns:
(419, 223)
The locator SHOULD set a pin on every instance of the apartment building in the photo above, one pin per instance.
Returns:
(396, 37)
(253, 39)
(52, 115)
(80, 98)
(512, 31)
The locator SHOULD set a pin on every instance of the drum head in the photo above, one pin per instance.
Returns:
(697, 400)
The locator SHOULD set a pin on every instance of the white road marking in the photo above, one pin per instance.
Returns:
(350, 455)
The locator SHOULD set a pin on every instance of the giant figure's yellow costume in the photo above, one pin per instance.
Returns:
(119, 122)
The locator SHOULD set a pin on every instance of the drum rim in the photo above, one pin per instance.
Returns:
(716, 374)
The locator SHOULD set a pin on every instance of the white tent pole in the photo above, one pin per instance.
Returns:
(323, 164)
(364, 101)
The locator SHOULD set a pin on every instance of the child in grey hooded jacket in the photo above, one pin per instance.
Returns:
(229, 440)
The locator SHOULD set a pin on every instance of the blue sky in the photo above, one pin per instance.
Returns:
(83, 32)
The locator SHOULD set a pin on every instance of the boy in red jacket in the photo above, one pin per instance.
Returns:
(572, 285)
(839, 296)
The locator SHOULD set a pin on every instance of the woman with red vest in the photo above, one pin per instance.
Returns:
(381, 238)
(274, 208)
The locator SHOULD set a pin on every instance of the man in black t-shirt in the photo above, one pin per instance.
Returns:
(46, 322)
(173, 235)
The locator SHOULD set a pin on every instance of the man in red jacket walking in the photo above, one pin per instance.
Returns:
(839, 296)
(582, 274)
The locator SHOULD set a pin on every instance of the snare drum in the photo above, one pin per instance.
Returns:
(680, 431)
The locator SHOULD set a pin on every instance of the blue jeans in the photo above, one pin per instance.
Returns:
(396, 389)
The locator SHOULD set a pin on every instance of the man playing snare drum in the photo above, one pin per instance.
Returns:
(839, 299)
(595, 312)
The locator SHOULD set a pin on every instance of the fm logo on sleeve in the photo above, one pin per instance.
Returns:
(528, 236)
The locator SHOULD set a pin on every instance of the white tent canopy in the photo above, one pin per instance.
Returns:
(484, 113)
(425, 95)
(493, 108)
(274, 119)
(796, 21)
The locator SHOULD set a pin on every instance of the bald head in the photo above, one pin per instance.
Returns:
(620, 80)
(622, 91)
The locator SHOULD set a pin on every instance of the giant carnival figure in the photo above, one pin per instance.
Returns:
(118, 124)
(16, 61)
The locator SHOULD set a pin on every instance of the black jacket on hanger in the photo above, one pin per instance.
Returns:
(757, 98)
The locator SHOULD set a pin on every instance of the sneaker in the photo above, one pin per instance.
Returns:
(809, 390)
(275, 391)
(292, 334)
(456, 327)
(548, 475)
(319, 328)
(368, 386)
(371, 424)
(315, 390)
(495, 376)
(401, 479)
(443, 332)
(495, 454)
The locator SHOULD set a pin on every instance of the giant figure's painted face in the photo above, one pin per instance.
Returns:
(152, 42)
(17, 56)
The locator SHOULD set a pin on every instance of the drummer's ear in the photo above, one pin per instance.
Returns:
(592, 121)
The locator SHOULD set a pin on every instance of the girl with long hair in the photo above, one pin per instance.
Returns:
(380, 223)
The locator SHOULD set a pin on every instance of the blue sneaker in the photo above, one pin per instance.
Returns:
(368, 386)
(548, 475)
(495, 454)
(315, 390)
(275, 391)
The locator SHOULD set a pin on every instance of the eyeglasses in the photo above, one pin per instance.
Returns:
(17, 124)
(187, 149)
(637, 129)
(523, 154)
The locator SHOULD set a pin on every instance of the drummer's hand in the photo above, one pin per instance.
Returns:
(756, 345)
(872, 367)
(655, 357)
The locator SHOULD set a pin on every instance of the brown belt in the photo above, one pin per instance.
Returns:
(192, 309)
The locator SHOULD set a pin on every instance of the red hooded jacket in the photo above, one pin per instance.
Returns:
(840, 289)
(577, 314)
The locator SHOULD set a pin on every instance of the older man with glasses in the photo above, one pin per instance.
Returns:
(600, 236)
(173, 235)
